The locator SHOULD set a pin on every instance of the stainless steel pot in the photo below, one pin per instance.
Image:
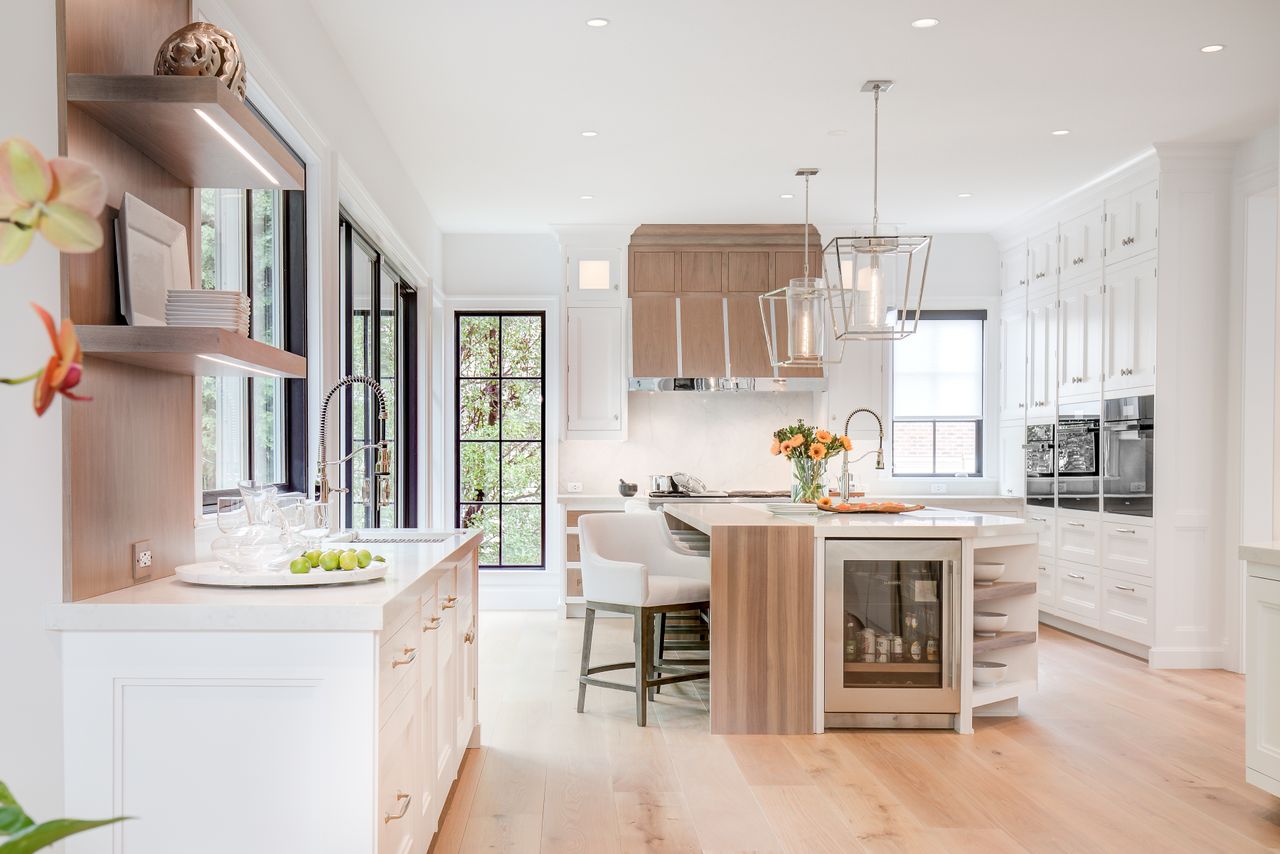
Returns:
(661, 483)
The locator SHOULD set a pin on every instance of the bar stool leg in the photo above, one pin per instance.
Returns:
(659, 647)
(588, 626)
(644, 663)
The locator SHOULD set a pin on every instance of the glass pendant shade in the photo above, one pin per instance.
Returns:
(806, 320)
(881, 284)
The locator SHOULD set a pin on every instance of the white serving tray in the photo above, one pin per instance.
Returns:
(215, 574)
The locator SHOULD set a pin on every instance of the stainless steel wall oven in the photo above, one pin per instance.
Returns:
(1129, 436)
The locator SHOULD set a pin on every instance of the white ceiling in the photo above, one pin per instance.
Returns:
(705, 108)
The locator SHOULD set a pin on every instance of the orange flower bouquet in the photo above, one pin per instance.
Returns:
(808, 449)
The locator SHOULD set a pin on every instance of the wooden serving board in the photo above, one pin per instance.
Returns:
(875, 508)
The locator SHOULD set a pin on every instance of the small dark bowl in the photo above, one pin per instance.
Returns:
(627, 489)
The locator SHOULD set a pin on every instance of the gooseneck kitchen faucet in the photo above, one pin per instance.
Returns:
(845, 487)
(383, 467)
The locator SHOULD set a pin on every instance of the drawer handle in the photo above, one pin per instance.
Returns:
(1075, 576)
(1076, 524)
(470, 636)
(1039, 519)
(410, 653)
(1044, 569)
(432, 624)
(1125, 531)
(402, 798)
(1125, 589)
(449, 602)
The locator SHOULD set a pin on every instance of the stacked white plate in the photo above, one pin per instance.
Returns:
(223, 309)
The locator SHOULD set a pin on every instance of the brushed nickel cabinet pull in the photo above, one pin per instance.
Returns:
(410, 654)
(1075, 576)
(1125, 589)
(404, 799)
(1125, 531)
(1076, 524)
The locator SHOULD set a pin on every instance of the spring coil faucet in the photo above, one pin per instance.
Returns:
(383, 468)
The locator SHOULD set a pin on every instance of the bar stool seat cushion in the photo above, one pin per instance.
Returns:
(675, 590)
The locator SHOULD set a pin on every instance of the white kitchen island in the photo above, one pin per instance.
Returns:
(319, 719)
(773, 650)
(1262, 666)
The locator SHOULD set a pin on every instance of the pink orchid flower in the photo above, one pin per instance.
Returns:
(63, 370)
(61, 198)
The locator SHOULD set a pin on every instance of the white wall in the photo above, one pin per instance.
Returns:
(502, 264)
(31, 506)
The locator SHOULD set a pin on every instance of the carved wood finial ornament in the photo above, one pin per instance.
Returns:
(203, 50)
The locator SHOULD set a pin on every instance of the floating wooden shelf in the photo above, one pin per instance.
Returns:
(201, 351)
(1003, 590)
(157, 115)
(1002, 640)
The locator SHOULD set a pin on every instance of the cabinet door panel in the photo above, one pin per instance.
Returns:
(701, 271)
(653, 272)
(1013, 271)
(749, 272)
(1013, 361)
(398, 781)
(1042, 358)
(1012, 460)
(702, 336)
(653, 336)
(748, 355)
(1080, 245)
(1079, 591)
(1080, 334)
(1117, 221)
(430, 799)
(1044, 257)
(1262, 688)
(1126, 608)
(1130, 340)
(595, 372)
(1143, 218)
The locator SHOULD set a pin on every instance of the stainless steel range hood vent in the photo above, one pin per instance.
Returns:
(720, 384)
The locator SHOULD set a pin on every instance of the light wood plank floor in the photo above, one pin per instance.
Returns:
(1108, 756)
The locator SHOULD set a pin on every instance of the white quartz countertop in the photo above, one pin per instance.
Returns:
(168, 604)
(1263, 559)
(929, 523)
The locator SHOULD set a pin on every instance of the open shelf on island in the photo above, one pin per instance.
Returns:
(200, 351)
(1003, 590)
(1001, 641)
(984, 695)
(194, 127)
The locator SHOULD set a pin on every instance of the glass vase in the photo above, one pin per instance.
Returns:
(807, 484)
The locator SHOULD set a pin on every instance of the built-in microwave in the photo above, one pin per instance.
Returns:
(1129, 437)
(1079, 456)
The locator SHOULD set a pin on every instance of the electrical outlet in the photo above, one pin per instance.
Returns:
(938, 488)
(573, 486)
(142, 558)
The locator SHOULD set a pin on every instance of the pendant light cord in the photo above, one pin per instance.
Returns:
(875, 167)
(806, 226)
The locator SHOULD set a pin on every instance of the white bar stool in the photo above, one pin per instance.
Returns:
(630, 565)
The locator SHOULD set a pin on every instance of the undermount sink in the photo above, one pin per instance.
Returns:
(390, 535)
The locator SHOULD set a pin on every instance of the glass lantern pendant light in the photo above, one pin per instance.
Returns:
(882, 273)
(800, 311)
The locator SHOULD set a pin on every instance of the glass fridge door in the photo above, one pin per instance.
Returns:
(893, 623)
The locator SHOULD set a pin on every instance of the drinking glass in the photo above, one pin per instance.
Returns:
(233, 517)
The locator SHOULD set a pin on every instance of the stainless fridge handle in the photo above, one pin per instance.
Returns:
(954, 640)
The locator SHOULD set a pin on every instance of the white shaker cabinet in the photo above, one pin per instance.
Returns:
(1131, 221)
(1013, 360)
(1013, 271)
(1042, 354)
(595, 378)
(1080, 332)
(1130, 338)
(1262, 676)
(1042, 254)
(1012, 460)
(1080, 245)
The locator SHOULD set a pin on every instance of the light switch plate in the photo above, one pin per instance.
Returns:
(573, 486)
(938, 488)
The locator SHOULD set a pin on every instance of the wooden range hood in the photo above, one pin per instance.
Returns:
(695, 311)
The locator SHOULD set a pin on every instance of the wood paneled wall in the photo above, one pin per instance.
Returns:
(129, 470)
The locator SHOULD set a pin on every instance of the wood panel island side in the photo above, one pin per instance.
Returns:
(775, 658)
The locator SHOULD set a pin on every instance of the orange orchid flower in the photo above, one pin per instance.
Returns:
(64, 369)
(61, 198)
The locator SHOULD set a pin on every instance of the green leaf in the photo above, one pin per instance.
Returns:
(43, 835)
(12, 818)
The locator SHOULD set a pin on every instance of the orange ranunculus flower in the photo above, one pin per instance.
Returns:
(775, 448)
(846, 443)
(61, 198)
(824, 501)
(63, 370)
(822, 436)
(817, 451)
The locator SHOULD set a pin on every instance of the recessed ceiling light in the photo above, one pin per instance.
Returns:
(1212, 48)
(964, 195)
(1062, 132)
(597, 22)
(590, 133)
(787, 196)
(924, 23)
(586, 198)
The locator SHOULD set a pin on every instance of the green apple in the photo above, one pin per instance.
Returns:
(313, 557)
(300, 566)
(348, 561)
(329, 561)
(364, 558)
(380, 558)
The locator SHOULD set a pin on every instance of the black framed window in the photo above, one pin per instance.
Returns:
(501, 424)
(254, 428)
(379, 341)
(938, 396)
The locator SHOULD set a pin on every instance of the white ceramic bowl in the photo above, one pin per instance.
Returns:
(989, 622)
(989, 672)
(985, 573)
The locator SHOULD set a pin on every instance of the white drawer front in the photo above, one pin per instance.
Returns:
(1078, 593)
(1128, 548)
(1046, 587)
(397, 659)
(399, 822)
(1048, 535)
(1126, 608)
(1078, 540)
